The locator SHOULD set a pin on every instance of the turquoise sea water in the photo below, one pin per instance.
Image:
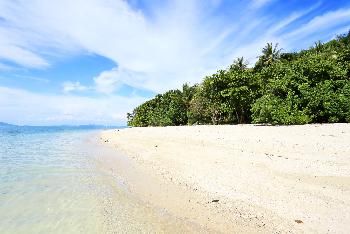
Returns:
(55, 180)
(49, 182)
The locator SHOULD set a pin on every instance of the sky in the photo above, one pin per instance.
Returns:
(92, 61)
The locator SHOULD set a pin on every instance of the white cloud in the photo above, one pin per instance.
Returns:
(107, 81)
(23, 107)
(34, 78)
(177, 42)
(182, 41)
(291, 18)
(69, 86)
(167, 50)
(323, 23)
(21, 56)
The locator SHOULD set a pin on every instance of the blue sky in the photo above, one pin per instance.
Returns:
(92, 61)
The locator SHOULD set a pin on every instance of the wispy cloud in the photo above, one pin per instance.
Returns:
(21, 56)
(34, 78)
(291, 18)
(69, 86)
(160, 47)
(23, 107)
(108, 82)
(183, 41)
(321, 23)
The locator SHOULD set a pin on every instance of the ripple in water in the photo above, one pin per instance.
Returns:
(48, 183)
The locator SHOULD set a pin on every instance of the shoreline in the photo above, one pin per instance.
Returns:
(265, 178)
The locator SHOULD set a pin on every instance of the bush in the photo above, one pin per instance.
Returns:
(310, 86)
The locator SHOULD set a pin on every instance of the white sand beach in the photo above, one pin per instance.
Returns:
(242, 178)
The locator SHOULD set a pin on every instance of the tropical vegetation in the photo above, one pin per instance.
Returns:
(309, 86)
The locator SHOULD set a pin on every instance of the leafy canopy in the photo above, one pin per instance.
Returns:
(310, 86)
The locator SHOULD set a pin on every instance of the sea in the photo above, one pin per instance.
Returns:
(55, 180)
(51, 182)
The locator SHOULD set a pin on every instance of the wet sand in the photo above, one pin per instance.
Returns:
(242, 178)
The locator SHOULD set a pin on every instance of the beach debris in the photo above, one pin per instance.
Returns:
(156, 146)
(107, 140)
(216, 200)
(298, 221)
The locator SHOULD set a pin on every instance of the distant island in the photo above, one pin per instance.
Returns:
(310, 86)
(2, 124)
(84, 126)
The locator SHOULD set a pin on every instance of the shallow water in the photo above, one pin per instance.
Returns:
(54, 180)
(48, 182)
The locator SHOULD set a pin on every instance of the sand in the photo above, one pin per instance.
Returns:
(238, 179)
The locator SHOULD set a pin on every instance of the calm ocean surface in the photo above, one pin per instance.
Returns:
(54, 180)
(49, 182)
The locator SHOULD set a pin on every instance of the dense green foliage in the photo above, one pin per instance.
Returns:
(163, 110)
(311, 86)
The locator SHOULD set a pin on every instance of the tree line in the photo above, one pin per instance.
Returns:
(309, 86)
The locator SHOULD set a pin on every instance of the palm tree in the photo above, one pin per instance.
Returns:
(270, 54)
(239, 64)
(187, 93)
(318, 46)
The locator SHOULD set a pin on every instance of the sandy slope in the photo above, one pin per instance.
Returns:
(266, 178)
